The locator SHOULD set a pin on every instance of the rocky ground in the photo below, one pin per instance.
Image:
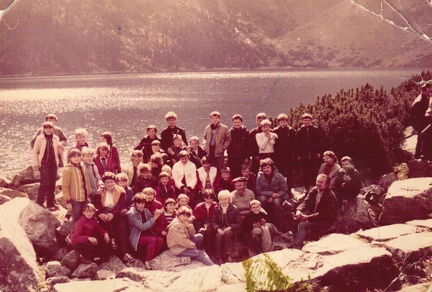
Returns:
(380, 244)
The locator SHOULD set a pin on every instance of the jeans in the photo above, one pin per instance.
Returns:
(77, 209)
(304, 228)
(48, 174)
(197, 253)
(274, 209)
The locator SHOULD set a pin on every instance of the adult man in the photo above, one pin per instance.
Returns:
(309, 149)
(317, 212)
(241, 196)
(168, 133)
(217, 138)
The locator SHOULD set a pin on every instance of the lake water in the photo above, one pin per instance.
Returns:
(126, 104)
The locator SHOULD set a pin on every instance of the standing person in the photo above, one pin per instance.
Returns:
(225, 222)
(308, 150)
(253, 147)
(271, 191)
(330, 167)
(284, 148)
(131, 169)
(238, 150)
(266, 140)
(165, 188)
(45, 158)
(142, 239)
(182, 240)
(195, 151)
(146, 142)
(208, 176)
(203, 214)
(81, 138)
(57, 131)
(76, 185)
(426, 134)
(168, 133)
(174, 150)
(103, 159)
(92, 171)
(217, 139)
(107, 138)
(419, 119)
(317, 212)
(185, 178)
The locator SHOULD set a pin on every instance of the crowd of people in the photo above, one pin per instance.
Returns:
(195, 199)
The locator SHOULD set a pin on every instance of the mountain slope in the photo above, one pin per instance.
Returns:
(40, 37)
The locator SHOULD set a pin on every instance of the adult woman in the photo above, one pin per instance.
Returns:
(110, 204)
(330, 167)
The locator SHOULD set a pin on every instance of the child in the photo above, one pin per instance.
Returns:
(266, 140)
(169, 211)
(88, 237)
(238, 150)
(225, 181)
(195, 151)
(175, 149)
(249, 176)
(107, 138)
(131, 169)
(92, 171)
(182, 200)
(45, 158)
(122, 180)
(156, 163)
(203, 215)
(145, 179)
(208, 176)
(217, 138)
(103, 159)
(165, 188)
(81, 138)
(256, 238)
(141, 237)
(76, 185)
(146, 142)
(152, 205)
(182, 240)
(225, 222)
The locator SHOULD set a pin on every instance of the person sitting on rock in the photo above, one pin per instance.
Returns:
(317, 212)
(349, 182)
(182, 240)
(330, 167)
(88, 237)
(141, 237)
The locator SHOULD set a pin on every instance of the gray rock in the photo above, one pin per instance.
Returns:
(385, 233)
(137, 274)
(55, 269)
(387, 180)
(421, 223)
(71, 260)
(136, 264)
(85, 271)
(115, 285)
(356, 214)
(104, 275)
(4, 199)
(59, 254)
(407, 200)
(5, 182)
(114, 264)
(418, 288)
(166, 261)
(65, 228)
(11, 193)
(25, 176)
(30, 189)
(56, 280)
(18, 268)
(419, 168)
(333, 244)
(410, 247)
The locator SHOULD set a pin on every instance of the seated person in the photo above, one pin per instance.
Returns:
(330, 167)
(88, 237)
(142, 239)
(165, 188)
(271, 191)
(182, 200)
(348, 182)
(196, 153)
(146, 142)
(226, 221)
(103, 159)
(131, 169)
(225, 180)
(145, 179)
(156, 163)
(203, 215)
(185, 178)
(182, 240)
(249, 176)
(175, 149)
(122, 179)
(317, 212)
(241, 196)
(153, 205)
(258, 241)
(208, 176)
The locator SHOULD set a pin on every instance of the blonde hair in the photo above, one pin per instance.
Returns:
(81, 131)
(254, 202)
(87, 150)
(225, 194)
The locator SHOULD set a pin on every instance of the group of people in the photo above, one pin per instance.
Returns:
(176, 195)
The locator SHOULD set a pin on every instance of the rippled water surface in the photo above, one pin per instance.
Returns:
(126, 104)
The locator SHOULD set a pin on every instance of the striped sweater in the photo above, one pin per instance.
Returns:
(73, 185)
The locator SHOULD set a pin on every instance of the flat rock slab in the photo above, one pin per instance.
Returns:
(410, 247)
(421, 223)
(114, 285)
(386, 233)
(334, 243)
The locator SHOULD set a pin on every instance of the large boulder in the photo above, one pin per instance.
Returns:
(407, 200)
(166, 261)
(4, 199)
(11, 193)
(356, 214)
(85, 271)
(114, 285)
(5, 182)
(25, 176)
(386, 233)
(30, 189)
(18, 268)
(38, 223)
